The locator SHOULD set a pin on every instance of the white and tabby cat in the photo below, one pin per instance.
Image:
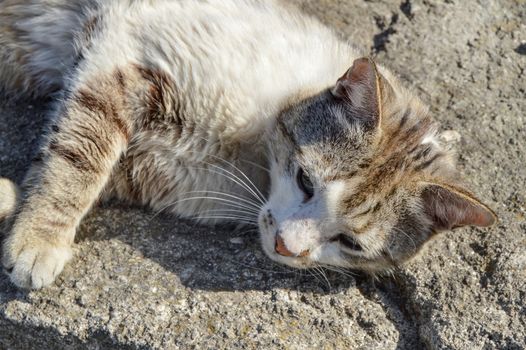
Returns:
(177, 104)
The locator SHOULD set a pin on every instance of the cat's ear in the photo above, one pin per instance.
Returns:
(450, 207)
(363, 88)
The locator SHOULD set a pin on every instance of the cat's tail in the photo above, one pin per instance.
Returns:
(37, 43)
(9, 195)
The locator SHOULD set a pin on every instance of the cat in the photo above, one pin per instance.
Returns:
(222, 110)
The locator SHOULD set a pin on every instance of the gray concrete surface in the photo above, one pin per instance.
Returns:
(140, 281)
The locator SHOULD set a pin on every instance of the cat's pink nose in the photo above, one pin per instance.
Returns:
(281, 248)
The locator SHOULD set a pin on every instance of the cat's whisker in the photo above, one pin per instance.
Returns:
(256, 165)
(320, 278)
(249, 187)
(340, 270)
(225, 202)
(314, 275)
(259, 268)
(248, 232)
(242, 199)
(227, 215)
(257, 194)
(233, 218)
(390, 254)
(232, 178)
(261, 196)
(407, 235)
(316, 272)
(319, 268)
(237, 218)
(226, 211)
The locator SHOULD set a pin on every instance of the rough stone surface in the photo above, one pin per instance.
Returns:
(145, 281)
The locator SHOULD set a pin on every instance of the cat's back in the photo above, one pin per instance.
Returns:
(258, 51)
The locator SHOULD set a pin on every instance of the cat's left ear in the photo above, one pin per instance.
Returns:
(364, 89)
(450, 207)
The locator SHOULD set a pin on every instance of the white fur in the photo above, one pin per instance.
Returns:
(8, 198)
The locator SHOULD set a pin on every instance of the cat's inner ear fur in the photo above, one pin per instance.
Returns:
(364, 89)
(450, 207)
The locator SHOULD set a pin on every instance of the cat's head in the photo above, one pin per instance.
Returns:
(359, 178)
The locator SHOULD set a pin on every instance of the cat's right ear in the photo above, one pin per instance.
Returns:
(364, 89)
(450, 207)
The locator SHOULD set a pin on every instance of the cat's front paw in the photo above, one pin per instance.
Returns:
(36, 265)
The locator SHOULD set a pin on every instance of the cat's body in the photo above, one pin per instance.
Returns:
(219, 101)
(173, 104)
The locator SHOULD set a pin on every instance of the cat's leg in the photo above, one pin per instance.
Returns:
(90, 134)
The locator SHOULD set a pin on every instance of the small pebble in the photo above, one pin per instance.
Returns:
(236, 240)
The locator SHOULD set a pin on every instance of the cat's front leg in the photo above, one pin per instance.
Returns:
(91, 133)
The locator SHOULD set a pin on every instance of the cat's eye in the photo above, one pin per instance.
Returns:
(305, 184)
(348, 242)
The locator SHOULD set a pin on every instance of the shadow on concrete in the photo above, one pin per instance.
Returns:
(19, 336)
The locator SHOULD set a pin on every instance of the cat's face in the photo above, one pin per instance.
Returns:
(359, 180)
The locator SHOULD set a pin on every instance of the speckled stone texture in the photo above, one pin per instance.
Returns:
(141, 280)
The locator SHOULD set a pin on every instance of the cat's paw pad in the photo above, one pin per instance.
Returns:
(37, 267)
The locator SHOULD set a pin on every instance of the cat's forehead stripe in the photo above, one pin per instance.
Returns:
(288, 133)
(399, 158)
